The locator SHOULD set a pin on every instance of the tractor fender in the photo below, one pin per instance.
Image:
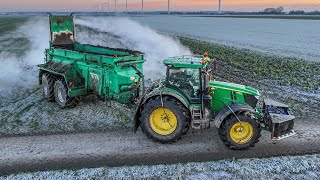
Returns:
(225, 112)
(166, 93)
(144, 99)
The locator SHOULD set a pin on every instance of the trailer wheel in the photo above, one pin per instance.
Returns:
(48, 86)
(165, 124)
(240, 136)
(61, 95)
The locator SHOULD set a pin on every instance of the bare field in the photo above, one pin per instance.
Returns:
(285, 37)
(8, 24)
(293, 17)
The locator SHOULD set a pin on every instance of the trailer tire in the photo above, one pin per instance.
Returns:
(47, 82)
(61, 95)
(247, 136)
(164, 124)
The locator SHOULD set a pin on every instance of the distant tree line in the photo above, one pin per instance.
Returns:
(301, 12)
(278, 10)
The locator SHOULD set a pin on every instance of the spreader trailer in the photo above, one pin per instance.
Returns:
(165, 110)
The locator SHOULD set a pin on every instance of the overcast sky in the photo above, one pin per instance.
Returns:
(151, 5)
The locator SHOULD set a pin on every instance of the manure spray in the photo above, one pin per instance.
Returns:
(18, 67)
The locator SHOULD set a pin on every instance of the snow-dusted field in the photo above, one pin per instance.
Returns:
(22, 108)
(300, 167)
(295, 38)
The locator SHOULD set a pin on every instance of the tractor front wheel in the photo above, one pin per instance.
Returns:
(240, 135)
(166, 123)
(61, 95)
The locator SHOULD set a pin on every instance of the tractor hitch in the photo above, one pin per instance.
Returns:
(278, 120)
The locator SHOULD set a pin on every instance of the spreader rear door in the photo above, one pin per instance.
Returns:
(62, 30)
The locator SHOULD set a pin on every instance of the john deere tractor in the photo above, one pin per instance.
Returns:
(168, 108)
(186, 98)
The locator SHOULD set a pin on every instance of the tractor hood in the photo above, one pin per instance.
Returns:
(234, 87)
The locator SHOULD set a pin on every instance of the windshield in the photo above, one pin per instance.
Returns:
(188, 80)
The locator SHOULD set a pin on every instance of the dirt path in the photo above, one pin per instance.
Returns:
(122, 147)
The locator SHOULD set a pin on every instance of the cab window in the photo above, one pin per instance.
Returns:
(187, 80)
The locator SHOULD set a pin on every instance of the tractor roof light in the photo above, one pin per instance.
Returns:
(137, 54)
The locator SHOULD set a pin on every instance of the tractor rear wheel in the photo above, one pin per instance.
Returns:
(240, 135)
(48, 86)
(165, 124)
(61, 95)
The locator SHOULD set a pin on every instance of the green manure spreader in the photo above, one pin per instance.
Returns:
(168, 108)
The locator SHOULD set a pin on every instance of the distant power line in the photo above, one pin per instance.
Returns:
(168, 6)
(115, 6)
(103, 9)
(126, 6)
(142, 6)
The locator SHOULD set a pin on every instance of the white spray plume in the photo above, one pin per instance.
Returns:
(156, 46)
(20, 70)
(18, 64)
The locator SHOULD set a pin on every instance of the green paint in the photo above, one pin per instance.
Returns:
(92, 69)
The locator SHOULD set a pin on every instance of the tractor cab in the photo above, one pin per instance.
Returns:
(187, 74)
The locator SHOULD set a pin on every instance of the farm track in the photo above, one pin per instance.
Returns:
(122, 147)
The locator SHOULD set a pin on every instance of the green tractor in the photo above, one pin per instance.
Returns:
(186, 98)
(167, 109)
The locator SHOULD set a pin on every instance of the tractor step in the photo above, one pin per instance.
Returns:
(198, 122)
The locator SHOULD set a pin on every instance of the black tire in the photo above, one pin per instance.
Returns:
(181, 113)
(61, 95)
(224, 132)
(48, 86)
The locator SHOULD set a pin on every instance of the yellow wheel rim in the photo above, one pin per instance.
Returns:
(163, 121)
(241, 134)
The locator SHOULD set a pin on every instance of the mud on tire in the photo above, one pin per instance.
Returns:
(61, 95)
(181, 113)
(48, 86)
(224, 132)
